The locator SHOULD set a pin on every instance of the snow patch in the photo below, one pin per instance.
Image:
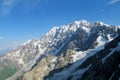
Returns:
(52, 31)
(113, 50)
(101, 23)
(66, 73)
(36, 43)
(79, 73)
(21, 59)
(78, 55)
(54, 59)
(81, 22)
(87, 30)
(109, 38)
(56, 52)
(101, 41)
(111, 76)
(23, 44)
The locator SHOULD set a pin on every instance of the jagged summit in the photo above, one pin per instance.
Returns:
(81, 22)
(76, 24)
(30, 41)
(100, 23)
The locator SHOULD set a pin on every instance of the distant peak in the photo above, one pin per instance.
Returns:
(54, 28)
(100, 23)
(30, 41)
(81, 21)
(26, 42)
(118, 26)
(52, 31)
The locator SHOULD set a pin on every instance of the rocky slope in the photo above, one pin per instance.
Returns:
(94, 64)
(61, 51)
(107, 65)
(103, 65)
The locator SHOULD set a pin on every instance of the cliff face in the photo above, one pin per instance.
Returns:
(105, 64)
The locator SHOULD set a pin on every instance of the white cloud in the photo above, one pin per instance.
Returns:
(1, 48)
(6, 6)
(1, 37)
(113, 1)
(14, 45)
(8, 45)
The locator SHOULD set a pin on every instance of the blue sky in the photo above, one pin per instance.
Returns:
(21, 20)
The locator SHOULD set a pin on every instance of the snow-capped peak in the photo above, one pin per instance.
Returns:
(82, 22)
(100, 23)
(26, 42)
(119, 27)
(52, 31)
(33, 42)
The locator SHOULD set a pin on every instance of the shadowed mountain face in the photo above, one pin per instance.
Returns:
(71, 51)
(105, 64)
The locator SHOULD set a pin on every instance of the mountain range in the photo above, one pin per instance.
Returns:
(80, 50)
